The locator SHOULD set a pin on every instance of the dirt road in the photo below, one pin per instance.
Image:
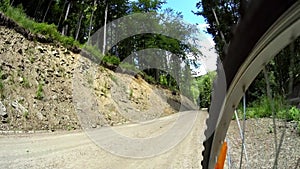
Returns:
(84, 150)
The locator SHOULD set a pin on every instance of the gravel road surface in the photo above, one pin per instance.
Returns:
(77, 150)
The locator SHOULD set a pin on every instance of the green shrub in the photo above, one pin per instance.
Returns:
(1, 85)
(113, 78)
(130, 94)
(4, 4)
(45, 29)
(128, 66)
(26, 114)
(68, 41)
(25, 82)
(39, 92)
(50, 31)
(163, 80)
(294, 114)
(263, 108)
(149, 79)
(114, 60)
(94, 51)
(204, 89)
(252, 113)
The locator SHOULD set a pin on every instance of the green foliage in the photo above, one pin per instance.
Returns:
(67, 41)
(147, 5)
(95, 52)
(42, 28)
(114, 60)
(25, 82)
(271, 129)
(294, 114)
(39, 92)
(128, 66)
(227, 12)
(163, 80)
(202, 88)
(31, 59)
(149, 79)
(26, 114)
(4, 4)
(263, 108)
(91, 12)
(130, 94)
(70, 127)
(283, 71)
(1, 85)
(113, 78)
(45, 29)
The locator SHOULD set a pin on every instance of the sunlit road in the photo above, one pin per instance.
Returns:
(77, 150)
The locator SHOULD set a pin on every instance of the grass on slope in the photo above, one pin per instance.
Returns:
(50, 31)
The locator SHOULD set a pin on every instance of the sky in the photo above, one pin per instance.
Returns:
(186, 7)
(206, 44)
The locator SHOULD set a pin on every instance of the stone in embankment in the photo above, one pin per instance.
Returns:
(3, 112)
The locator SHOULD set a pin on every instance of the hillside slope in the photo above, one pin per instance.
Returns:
(37, 89)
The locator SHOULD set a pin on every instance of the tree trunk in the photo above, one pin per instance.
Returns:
(104, 31)
(47, 11)
(61, 15)
(65, 27)
(91, 21)
(79, 25)
(217, 21)
(36, 10)
(291, 69)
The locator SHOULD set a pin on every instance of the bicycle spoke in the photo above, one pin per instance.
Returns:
(228, 153)
(240, 72)
(273, 114)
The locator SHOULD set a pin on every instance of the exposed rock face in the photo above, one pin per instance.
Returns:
(3, 113)
(38, 82)
(104, 97)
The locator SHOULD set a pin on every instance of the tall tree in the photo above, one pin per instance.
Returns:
(66, 25)
(105, 31)
(47, 10)
(81, 15)
(94, 7)
(227, 13)
(283, 70)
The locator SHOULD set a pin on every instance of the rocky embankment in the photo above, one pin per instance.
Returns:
(35, 84)
(38, 80)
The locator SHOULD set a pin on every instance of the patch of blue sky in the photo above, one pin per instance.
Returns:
(205, 42)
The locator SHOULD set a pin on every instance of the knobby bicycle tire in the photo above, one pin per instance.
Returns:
(260, 16)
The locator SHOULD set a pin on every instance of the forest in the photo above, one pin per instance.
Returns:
(79, 23)
(73, 22)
